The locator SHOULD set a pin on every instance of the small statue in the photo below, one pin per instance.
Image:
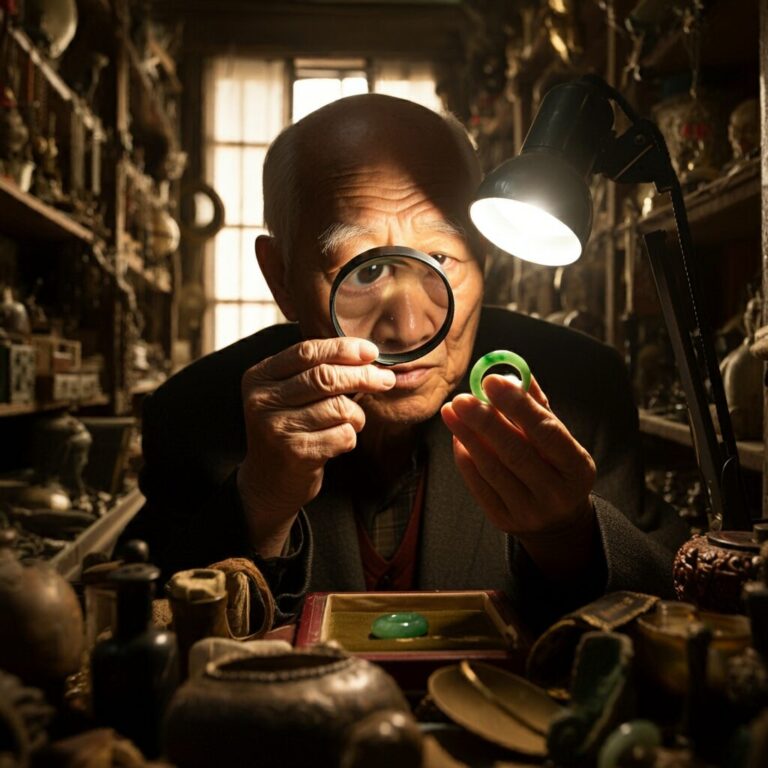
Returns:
(743, 379)
(47, 185)
(60, 446)
(14, 136)
(14, 319)
(744, 133)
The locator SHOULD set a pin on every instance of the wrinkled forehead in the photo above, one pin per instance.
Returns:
(380, 174)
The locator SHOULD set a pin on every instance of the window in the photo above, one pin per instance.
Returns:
(249, 103)
(247, 111)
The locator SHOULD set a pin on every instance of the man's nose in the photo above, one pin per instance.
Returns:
(406, 322)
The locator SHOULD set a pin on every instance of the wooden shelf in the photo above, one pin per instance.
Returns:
(21, 409)
(24, 215)
(98, 537)
(151, 114)
(90, 121)
(750, 452)
(722, 204)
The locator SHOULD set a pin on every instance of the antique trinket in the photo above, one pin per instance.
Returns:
(398, 625)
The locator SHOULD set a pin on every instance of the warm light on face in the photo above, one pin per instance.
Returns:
(525, 231)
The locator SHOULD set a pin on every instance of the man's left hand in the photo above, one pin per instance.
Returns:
(527, 472)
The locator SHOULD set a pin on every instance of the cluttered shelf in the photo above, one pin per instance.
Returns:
(24, 215)
(98, 537)
(750, 451)
(149, 113)
(156, 277)
(724, 195)
(54, 79)
(22, 409)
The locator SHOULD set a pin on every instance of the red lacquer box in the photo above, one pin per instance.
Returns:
(471, 624)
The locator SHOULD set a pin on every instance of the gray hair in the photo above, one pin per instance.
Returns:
(281, 178)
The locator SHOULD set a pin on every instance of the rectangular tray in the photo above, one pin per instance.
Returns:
(472, 624)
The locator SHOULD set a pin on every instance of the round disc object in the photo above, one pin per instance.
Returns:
(397, 625)
(398, 298)
(472, 707)
(491, 360)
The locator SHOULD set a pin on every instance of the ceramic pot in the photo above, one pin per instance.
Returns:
(278, 710)
(711, 570)
(41, 631)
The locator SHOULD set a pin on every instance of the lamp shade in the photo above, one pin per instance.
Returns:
(537, 206)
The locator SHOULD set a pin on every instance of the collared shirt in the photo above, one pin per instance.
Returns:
(385, 515)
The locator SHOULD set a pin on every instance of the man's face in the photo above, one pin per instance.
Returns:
(376, 205)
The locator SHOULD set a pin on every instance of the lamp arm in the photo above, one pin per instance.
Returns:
(639, 155)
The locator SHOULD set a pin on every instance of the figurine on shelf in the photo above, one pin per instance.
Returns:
(743, 134)
(47, 185)
(14, 136)
(14, 319)
(743, 379)
(60, 445)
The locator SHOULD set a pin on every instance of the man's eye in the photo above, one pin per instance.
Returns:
(369, 274)
(440, 258)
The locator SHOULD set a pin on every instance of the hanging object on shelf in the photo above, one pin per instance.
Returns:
(691, 129)
(51, 24)
(562, 24)
(165, 235)
(202, 210)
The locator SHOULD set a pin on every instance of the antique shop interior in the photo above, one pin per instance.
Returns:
(413, 532)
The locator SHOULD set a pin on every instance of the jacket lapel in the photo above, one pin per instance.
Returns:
(336, 563)
(459, 548)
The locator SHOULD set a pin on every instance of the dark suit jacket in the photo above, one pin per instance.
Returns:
(193, 440)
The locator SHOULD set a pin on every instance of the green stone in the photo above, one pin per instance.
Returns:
(397, 625)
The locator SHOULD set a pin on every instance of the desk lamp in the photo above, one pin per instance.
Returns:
(537, 206)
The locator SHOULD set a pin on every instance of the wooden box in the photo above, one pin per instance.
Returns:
(56, 355)
(17, 373)
(58, 387)
(476, 625)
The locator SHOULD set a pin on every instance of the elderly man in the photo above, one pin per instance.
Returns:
(293, 448)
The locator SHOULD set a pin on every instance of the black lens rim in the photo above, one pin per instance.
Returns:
(410, 253)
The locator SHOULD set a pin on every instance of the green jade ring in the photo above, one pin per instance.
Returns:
(399, 625)
(492, 359)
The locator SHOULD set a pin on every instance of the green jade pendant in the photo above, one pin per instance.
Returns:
(399, 625)
(492, 359)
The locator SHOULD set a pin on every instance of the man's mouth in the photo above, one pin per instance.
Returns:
(411, 376)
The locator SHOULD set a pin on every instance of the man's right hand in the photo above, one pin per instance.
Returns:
(299, 413)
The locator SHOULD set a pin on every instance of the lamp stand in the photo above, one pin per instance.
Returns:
(638, 155)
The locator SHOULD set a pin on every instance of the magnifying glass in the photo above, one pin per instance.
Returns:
(398, 298)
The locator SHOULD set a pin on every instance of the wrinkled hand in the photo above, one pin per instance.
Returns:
(299, 413)
(527, 472)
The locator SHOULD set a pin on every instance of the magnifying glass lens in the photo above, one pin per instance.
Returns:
(400, 301)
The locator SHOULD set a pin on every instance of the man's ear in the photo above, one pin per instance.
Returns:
(273, 268)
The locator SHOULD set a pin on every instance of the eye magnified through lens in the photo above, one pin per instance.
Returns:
(396, 297)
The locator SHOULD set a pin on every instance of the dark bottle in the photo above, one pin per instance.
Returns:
(135, 672)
